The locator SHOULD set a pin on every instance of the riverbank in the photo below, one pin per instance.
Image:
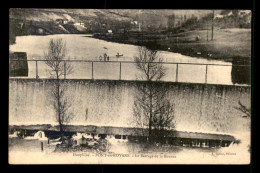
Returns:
(28, 152)
(226, 44)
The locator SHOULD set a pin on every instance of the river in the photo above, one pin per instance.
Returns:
(84, 47)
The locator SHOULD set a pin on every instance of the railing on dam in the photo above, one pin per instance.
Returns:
(126, 70)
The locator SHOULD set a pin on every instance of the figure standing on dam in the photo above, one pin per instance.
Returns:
(105, 56)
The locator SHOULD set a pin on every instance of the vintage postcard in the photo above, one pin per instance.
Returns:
(139, 86)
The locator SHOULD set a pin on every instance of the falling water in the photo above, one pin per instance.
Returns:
(110, 103)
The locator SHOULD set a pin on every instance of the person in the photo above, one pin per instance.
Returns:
(100, 58)
(105, 56)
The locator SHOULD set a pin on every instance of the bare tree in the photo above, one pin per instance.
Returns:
(151, 109)
(58, 68)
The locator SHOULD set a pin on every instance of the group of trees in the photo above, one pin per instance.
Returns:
(103, 23)
(190, 23)
(18, 28)
(228, 19)
(152, 111)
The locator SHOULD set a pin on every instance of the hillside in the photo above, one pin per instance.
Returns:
(24, 21)
(148, 17)
(100, 20)
(76, 14)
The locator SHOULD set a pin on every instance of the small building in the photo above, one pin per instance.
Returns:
(230, 13)
(65, 21)
(40, 30)
(218, 16)
(134, 22)
(246, 14)
(79, 24)
(61, 21)
(243, 13)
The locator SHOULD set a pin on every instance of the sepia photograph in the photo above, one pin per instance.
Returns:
(129, 86)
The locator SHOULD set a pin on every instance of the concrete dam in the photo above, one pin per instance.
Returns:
(198, 107)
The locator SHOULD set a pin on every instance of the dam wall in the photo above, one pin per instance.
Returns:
(198, 107)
